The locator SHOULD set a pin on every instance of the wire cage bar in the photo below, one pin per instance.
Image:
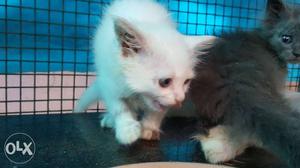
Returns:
(46, 60)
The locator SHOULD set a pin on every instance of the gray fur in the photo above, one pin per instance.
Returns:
(239, 84)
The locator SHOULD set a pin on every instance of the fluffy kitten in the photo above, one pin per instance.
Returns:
(142, 64)
(238, 88)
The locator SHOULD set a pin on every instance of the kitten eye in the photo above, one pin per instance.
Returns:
(187, 81)
(165, 82)
(287, 39)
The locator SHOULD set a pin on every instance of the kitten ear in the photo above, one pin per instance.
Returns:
(275, 10)
(130, 39)
(199, 44)
(193, 41)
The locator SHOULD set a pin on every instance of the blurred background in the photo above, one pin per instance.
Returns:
(45, 46)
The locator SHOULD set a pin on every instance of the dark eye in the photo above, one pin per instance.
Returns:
(287, 39)
(187, 81)
(165, 82)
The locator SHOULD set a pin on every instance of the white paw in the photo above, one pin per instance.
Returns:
(128, 132)
(107, 121)
(149, 134)
(217, 150)
(219, 146)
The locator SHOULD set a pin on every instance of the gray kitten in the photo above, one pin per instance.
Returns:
(238, 89)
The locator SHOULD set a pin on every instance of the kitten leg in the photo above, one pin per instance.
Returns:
(151, 125)
(127, 128)
(219, 146)
(107, 121)
(89, 96)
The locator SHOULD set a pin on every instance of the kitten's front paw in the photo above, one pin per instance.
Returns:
(128, 132)
(217, 147)
(216, 150)
(107, 121)
(149, 134)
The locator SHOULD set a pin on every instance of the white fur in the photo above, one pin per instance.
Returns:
(293, 99)
(151, 125)
(119, 77)
(196, 44)
(220, 146)
(199, 41)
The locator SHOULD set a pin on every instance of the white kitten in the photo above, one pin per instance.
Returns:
(142, 63)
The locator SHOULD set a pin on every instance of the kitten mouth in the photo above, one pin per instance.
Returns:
(159, 106)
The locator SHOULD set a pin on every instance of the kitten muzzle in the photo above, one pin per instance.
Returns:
(159, 106)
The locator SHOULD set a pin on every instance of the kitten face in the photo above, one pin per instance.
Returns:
(283, 28)
(286, 41)
(158, 64)
(169, 83)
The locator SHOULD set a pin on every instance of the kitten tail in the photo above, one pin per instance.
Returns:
(87, 98)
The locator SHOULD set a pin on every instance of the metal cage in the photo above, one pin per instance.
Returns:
(45, 46)
(46, 62)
